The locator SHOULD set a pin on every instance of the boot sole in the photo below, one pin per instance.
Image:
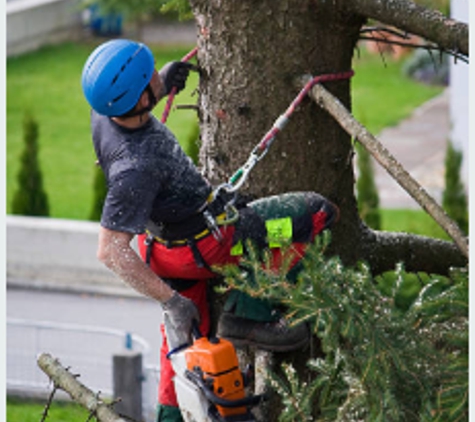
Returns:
(240, 343)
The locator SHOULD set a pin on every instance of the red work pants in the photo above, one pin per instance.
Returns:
(179, 263)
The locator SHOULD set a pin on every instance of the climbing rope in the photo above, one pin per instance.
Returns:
(260, 150)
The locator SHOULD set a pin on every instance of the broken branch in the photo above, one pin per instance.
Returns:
(356, 130)
(82, 395)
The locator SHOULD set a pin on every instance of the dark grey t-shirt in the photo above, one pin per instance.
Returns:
(149, 176)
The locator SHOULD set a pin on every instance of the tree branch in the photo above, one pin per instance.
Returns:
(82, 395)
(449, 34)
(384, 250)
(357, 131)
(428, 47)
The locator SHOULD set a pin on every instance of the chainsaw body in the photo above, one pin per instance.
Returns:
(209, 385)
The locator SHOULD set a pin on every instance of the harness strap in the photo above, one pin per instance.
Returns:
(149, 243)
(200, 261)
(177, 284)
(178, 242)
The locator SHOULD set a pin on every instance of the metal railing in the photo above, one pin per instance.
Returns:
(87, 350)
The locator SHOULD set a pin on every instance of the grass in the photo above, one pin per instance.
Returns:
(20, 410)
(382, 95)
(47, 84)
(411, 221)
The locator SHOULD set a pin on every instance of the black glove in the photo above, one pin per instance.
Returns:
(174, 74)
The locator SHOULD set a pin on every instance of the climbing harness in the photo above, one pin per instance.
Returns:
(203, 223)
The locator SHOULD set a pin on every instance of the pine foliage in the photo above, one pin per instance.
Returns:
(454, 199)
(181, 7)
(30, 198)
(368, 198)
(381, 362)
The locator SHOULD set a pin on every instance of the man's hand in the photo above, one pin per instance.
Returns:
(179, 313)
(174, 74)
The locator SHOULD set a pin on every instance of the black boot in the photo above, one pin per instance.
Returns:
(275, 336)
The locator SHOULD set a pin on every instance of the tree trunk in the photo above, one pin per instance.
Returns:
(250, 54)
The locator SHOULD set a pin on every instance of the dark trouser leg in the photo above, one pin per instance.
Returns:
(168, 414)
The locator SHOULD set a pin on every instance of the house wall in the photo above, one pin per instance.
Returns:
(459, 94)
(58, 254)
(34, 23)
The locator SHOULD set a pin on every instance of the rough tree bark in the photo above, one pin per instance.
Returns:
(250, 53)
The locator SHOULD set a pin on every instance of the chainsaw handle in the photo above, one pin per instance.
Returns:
(219, 401)
(195, 329)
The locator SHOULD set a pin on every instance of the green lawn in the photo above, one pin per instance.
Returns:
(382, 95)
(32, 411)
(47, 84)
(411, 221)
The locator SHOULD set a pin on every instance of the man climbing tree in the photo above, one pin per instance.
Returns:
(251, 57)
(185, 228)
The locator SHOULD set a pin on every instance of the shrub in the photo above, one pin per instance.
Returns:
(454, 199)
(30, 198)
(100, 191)
(192, 145)
(367, 192)
(428, 67)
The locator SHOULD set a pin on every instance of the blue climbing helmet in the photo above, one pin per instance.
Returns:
(115, 75)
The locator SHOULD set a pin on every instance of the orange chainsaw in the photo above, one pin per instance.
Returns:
(209, 385)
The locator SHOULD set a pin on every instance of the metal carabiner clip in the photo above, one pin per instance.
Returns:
(212, 225)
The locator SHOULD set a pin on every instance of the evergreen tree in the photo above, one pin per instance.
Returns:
(30, 198)
(100, 191)
(454, 199)
(367, 192)
(381, 361)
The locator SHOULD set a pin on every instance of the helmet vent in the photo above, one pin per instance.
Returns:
(122, 69)
(117, 98)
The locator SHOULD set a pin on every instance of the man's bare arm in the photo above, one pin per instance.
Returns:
(115, 251)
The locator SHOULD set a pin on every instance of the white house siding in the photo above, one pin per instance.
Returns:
(459, 90)
(34, 23)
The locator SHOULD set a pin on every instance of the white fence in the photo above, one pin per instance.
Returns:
(87, 351)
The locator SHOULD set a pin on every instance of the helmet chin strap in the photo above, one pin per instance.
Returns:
(152, 102)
